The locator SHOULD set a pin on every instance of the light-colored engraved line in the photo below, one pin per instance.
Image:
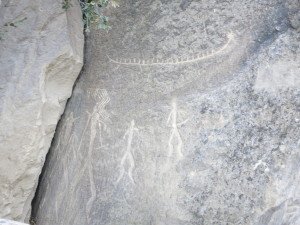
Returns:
(175, 150)
(79, 175)
(99, 117)
(68, 125)
(125, 200)
(56, 212)
(69, 143)
(209, 54)
(68, 140)
(95, 120)
(99, 110)
(174, 132)
(92, 198)
(41, 205)
(128, 154)
(260, 162)
(83, 133)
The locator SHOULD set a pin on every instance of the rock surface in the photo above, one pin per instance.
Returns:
(10, 222)
(187, 113)
(40, 60)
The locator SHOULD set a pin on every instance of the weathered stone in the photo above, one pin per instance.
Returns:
(187, 113)
(39, 62)
(10, 222)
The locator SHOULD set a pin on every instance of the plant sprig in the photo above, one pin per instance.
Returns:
(10, 24)
(66, 4)
(14, 24)
(92, 12)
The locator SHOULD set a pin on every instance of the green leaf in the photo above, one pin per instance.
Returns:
(20, 21)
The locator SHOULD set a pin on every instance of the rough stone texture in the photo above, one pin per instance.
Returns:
(39, 63)
(161, 130)
(10, 222)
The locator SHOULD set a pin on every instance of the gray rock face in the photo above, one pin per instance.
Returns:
(39, 62)
(187, 113)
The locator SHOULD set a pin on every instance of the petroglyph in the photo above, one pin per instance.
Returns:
(260, 162)
(98, 118)
(56, 212)
(175, 61)
(69, 138)
(99, 115)
(94, 124)
(128, 155)
(68, 126)
(175, 135)
(175, 143)
(96, 121)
